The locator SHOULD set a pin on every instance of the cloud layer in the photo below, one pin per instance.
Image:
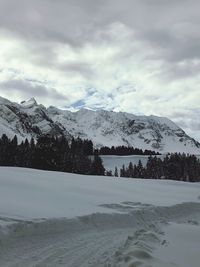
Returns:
(139, 56)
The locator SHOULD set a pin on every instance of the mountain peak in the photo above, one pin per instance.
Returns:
(29, 103)
(104, 128)
(4, 100)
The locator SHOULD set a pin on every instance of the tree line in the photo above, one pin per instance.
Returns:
(175, 166)
(125, 151)
(59, 154)
(51, 153)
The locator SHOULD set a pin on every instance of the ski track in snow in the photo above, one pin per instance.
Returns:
(130, 239)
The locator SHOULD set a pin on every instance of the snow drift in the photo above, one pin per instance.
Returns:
(61, 219)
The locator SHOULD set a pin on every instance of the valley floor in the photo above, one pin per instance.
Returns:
(55, 219)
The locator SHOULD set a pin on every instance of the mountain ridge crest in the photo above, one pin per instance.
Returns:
(104, 128)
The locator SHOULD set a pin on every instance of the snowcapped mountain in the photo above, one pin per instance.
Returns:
(27, 119)
(104, 128)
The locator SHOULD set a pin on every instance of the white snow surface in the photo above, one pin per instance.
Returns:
(30, 194)
(29, 103)
(182, 247)
(60, 219)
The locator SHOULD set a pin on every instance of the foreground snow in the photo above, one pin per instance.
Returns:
(30, 194)
(59, 219)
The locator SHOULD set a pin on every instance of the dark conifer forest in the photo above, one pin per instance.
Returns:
(176, 166)
(125, 151)
(74, 156)
(50, 153)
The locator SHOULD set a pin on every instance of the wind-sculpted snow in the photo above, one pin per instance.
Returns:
(60, 219)
(104, 128)
(133, 238)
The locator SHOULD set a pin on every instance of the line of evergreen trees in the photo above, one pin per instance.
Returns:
(51, 153)
(125, 151)
(176, 166)
(58, 154)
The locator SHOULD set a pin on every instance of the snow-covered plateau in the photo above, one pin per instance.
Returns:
(61, 219)
(104, 128)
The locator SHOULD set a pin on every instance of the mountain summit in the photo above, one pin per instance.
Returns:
(29, 103)
(104, 128)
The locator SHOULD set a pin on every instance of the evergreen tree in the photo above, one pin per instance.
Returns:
(97, 166)
(123, 171)
(116, 172)
(50, 153)
(130, 170)
(108, 173)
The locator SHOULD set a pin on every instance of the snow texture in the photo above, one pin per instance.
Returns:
(30, 194)
(60, 219)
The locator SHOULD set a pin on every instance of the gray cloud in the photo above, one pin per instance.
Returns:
(139, 56)
(30, 88)
(78, 67)
(171, 27)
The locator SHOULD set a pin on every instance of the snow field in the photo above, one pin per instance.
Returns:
(32, 194)
(60, 219)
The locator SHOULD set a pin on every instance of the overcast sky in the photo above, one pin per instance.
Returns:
(138, 56)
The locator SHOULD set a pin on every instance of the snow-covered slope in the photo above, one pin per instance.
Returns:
(30, 194)
(26, 120)
(104, 128)
(120, 223)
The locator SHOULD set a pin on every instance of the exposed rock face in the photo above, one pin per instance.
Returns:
(27, 119)
(104, 128)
